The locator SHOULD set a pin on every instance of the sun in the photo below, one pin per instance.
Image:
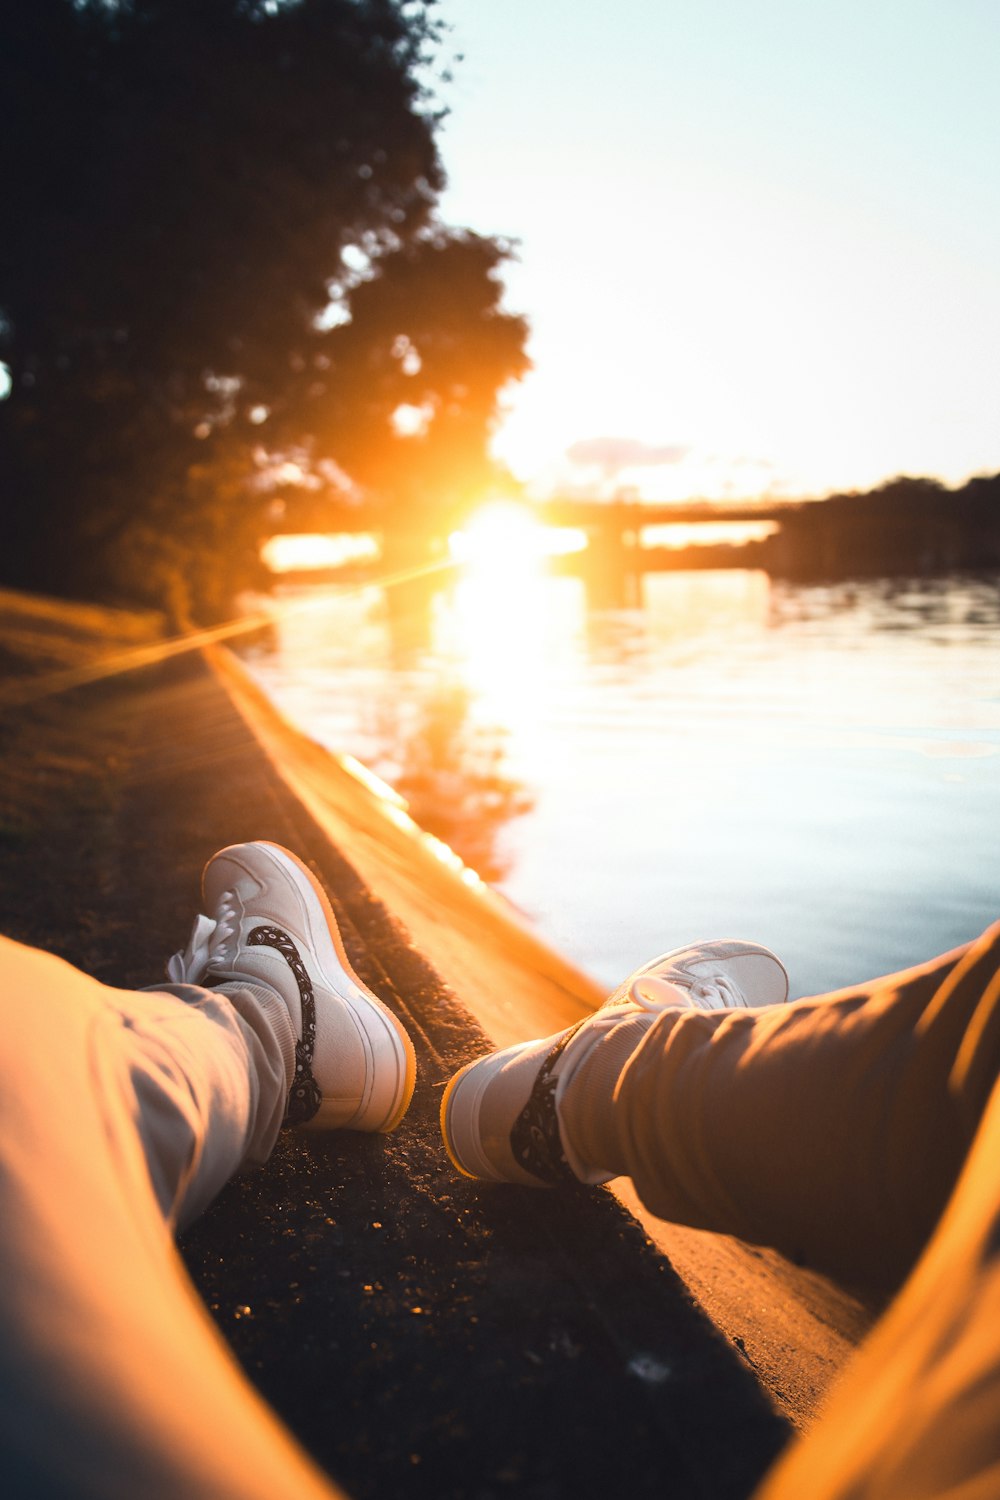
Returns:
(504, 537)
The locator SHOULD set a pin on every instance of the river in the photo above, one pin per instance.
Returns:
(814, 767)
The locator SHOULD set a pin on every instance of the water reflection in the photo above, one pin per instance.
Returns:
(817, 767)
(390, 677)
(893, 604)
(408, 610)
(508, 639)
(452, 772)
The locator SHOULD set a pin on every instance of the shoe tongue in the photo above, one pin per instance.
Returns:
(189, 964)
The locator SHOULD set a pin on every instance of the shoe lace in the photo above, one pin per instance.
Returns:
(654, 993)
(208, 937)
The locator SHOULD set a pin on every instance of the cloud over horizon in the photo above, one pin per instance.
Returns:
(612, 454)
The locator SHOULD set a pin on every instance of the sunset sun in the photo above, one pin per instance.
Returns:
(504, 537)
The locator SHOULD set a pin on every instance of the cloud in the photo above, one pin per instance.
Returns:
(616, 453)
(744, 461)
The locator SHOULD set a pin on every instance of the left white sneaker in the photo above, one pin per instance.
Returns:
(500, 1114)
(271, 924)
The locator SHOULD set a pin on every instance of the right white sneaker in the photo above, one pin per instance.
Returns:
(272, 926)
(500, 1114)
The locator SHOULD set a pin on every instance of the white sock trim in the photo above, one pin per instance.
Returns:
(275, 1013)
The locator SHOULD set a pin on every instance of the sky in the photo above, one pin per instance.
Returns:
(758, 240)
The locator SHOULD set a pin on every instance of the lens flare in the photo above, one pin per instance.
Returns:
(504, 537)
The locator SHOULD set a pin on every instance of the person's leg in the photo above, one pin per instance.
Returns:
(832, 1128)
(115, 1107)
(121, 1113)
(835, 1127)
(521, 1116)
(917, 1414)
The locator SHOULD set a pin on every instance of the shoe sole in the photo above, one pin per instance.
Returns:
(470, 1101)
(460, 1109)
(373, 1011)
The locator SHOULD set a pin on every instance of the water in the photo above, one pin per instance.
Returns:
(817, 768)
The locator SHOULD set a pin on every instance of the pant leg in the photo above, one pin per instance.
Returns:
(833, 1128)
(840, 1128)
(116, 1112)
(917, 1414)
(235, 1074)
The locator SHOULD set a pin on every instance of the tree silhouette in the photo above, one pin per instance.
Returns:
(407, 389)
(189, 188)
(906, 526)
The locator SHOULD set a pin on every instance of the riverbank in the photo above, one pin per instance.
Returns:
(421, 1335)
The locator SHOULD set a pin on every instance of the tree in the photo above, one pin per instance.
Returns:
(188, 187)
(403, 395)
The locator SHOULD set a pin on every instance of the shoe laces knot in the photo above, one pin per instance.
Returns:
(205, 945)
(654, 993)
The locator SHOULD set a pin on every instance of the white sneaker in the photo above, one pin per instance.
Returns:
(272, 925)
(500, 1114)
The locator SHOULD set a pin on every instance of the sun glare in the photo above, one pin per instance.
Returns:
(504, 538)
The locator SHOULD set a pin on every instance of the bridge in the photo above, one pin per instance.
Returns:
(603, 519)
(628, 515)
(612, 560)
(613, 527)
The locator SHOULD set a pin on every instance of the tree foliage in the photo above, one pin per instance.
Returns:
(907, 525)
(404, 392)
(219, 243)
